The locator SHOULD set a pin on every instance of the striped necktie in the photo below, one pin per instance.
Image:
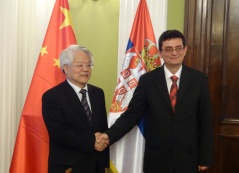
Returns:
(85, 105)
(173, 91)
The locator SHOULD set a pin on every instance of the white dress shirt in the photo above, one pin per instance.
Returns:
(77, 90)
(168, 74)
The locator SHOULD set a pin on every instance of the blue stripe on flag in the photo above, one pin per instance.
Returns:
(130, 45)
(141, 125)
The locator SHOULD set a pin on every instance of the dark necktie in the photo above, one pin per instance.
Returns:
(85, 105)
(173, 91)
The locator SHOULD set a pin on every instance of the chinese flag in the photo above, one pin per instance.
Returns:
(141, 56)
(31, 148)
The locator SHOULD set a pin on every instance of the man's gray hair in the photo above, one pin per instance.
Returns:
(66, 56)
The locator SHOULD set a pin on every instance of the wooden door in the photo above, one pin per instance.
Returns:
(212, 33)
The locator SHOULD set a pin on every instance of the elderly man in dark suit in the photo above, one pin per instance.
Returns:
(74, 118)
(176, 101)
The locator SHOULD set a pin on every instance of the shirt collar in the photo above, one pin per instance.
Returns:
(168, 74)
(76, 88)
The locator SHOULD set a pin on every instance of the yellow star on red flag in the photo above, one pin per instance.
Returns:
(67, 20)
(57, 62)
(43, 50)
(32, 132)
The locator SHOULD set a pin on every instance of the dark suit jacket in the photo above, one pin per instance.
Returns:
(177, 141)
(71, 136)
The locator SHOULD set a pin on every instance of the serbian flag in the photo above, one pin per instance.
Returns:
(31, 147)
(141, 56)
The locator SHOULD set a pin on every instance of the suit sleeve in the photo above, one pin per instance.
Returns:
(103, 123)
(130, 117)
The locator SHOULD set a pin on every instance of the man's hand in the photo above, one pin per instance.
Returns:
(100, 142)
(103, 136)
(202, 168)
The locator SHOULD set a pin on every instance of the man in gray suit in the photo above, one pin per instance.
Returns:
(178, 131)
(74, 118)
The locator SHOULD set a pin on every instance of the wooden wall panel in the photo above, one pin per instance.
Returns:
(212, 34)
(229, 149)
(231, 62)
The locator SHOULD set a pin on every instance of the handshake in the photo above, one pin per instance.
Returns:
(101, 141)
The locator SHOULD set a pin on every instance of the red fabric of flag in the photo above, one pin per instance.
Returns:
(31, 148)
(141, 56)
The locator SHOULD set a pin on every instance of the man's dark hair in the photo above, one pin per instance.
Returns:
(170, 34)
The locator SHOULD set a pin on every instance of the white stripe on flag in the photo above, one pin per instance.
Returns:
(127, 153)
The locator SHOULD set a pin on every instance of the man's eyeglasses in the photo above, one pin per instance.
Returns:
(81, 66)
(178, 49)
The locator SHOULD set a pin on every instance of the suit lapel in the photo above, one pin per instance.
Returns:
(161, 84)
(184, 83)
(73, 99)
(93, 103)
